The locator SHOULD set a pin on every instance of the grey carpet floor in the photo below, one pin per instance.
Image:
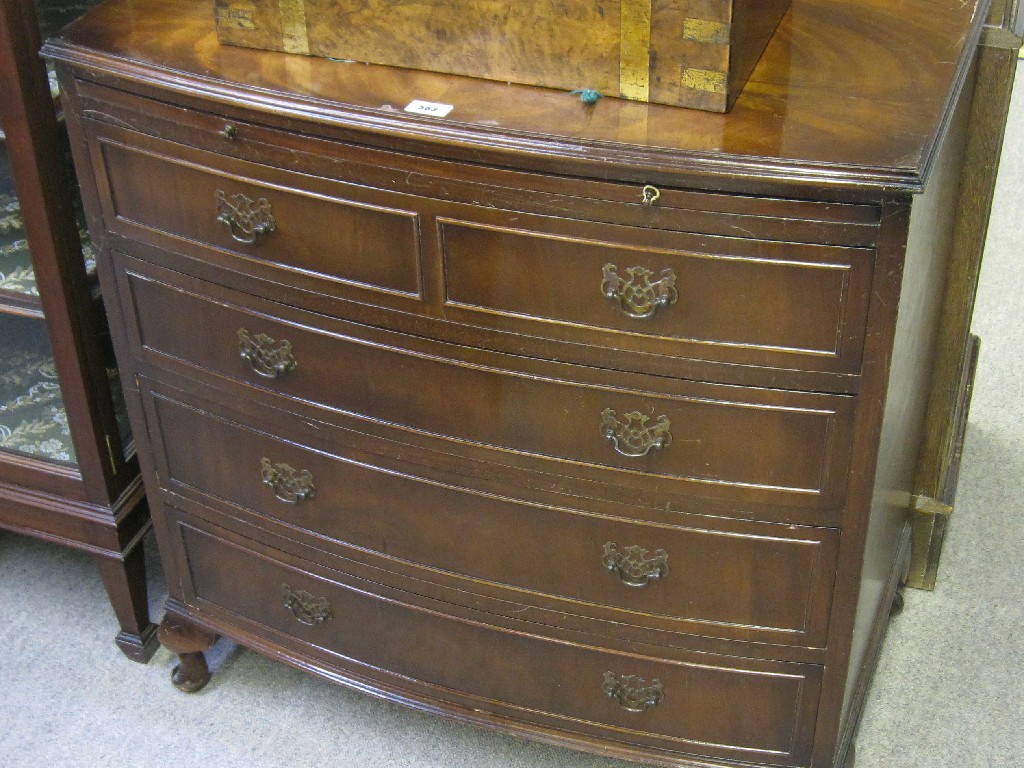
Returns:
(949, 691)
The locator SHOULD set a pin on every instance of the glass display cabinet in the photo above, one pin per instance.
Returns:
(68, 471)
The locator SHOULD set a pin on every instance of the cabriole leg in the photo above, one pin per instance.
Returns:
(188, 641)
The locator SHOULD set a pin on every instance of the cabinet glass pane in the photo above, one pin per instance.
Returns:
(16, 276)
(33, 421)
(17, 281)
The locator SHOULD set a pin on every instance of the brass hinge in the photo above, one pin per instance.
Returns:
(930, 519)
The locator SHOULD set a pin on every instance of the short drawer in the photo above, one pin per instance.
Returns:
(730, 579)
(299, 229)
(715, 299)
(763, 446)
(692, 704)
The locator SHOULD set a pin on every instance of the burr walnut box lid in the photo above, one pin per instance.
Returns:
(688, 53)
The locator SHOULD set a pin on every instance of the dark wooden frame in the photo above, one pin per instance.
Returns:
(98, 506)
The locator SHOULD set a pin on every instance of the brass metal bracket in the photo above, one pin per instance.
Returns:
(929, 520)
(998, 37)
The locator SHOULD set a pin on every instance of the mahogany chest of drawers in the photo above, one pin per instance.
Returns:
(595, 424)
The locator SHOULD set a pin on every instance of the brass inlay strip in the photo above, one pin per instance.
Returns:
(635, 49)
(703, 80)
(293, 26)
(705, 31)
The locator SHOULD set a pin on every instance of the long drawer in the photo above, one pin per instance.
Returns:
(560, 278)
(719, 442)
(734, 580)
(729, 707)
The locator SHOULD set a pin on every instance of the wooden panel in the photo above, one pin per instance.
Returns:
(733, 580)
(728, 707)
(333, 238)
(726, 442)
(749, 309)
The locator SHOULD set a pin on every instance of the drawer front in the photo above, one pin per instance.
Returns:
(722, 300)
(725, 707)
(601, 282)
(746, 581)
(768, 446)
(295, 228)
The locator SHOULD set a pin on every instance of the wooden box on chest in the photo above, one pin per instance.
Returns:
(690, 53)
(593, 424)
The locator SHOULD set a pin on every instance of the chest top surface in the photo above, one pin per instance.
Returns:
(849, 94)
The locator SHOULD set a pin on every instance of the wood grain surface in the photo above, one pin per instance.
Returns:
(691, 53)
(849, 93)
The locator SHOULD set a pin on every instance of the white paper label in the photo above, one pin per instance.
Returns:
(429, 108)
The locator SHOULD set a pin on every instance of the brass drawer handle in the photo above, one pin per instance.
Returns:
(633, 693)
(248, 220)
(634, 437)
(633, 566)
(269, 358)
(649, 194)
(305, 607)
(639, 296)
(288, 484)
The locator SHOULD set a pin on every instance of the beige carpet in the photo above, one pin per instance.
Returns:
(949, 692)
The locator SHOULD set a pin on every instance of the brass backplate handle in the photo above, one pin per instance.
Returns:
(633, 693)
(638, 295)
(269, 358)
(634, 437)
(305, 607)
(633, 566)
(289, 484)
(248, 220)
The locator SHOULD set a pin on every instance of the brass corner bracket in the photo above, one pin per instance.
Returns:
(929, 520)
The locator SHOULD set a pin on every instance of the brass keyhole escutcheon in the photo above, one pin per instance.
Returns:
(650, 194)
